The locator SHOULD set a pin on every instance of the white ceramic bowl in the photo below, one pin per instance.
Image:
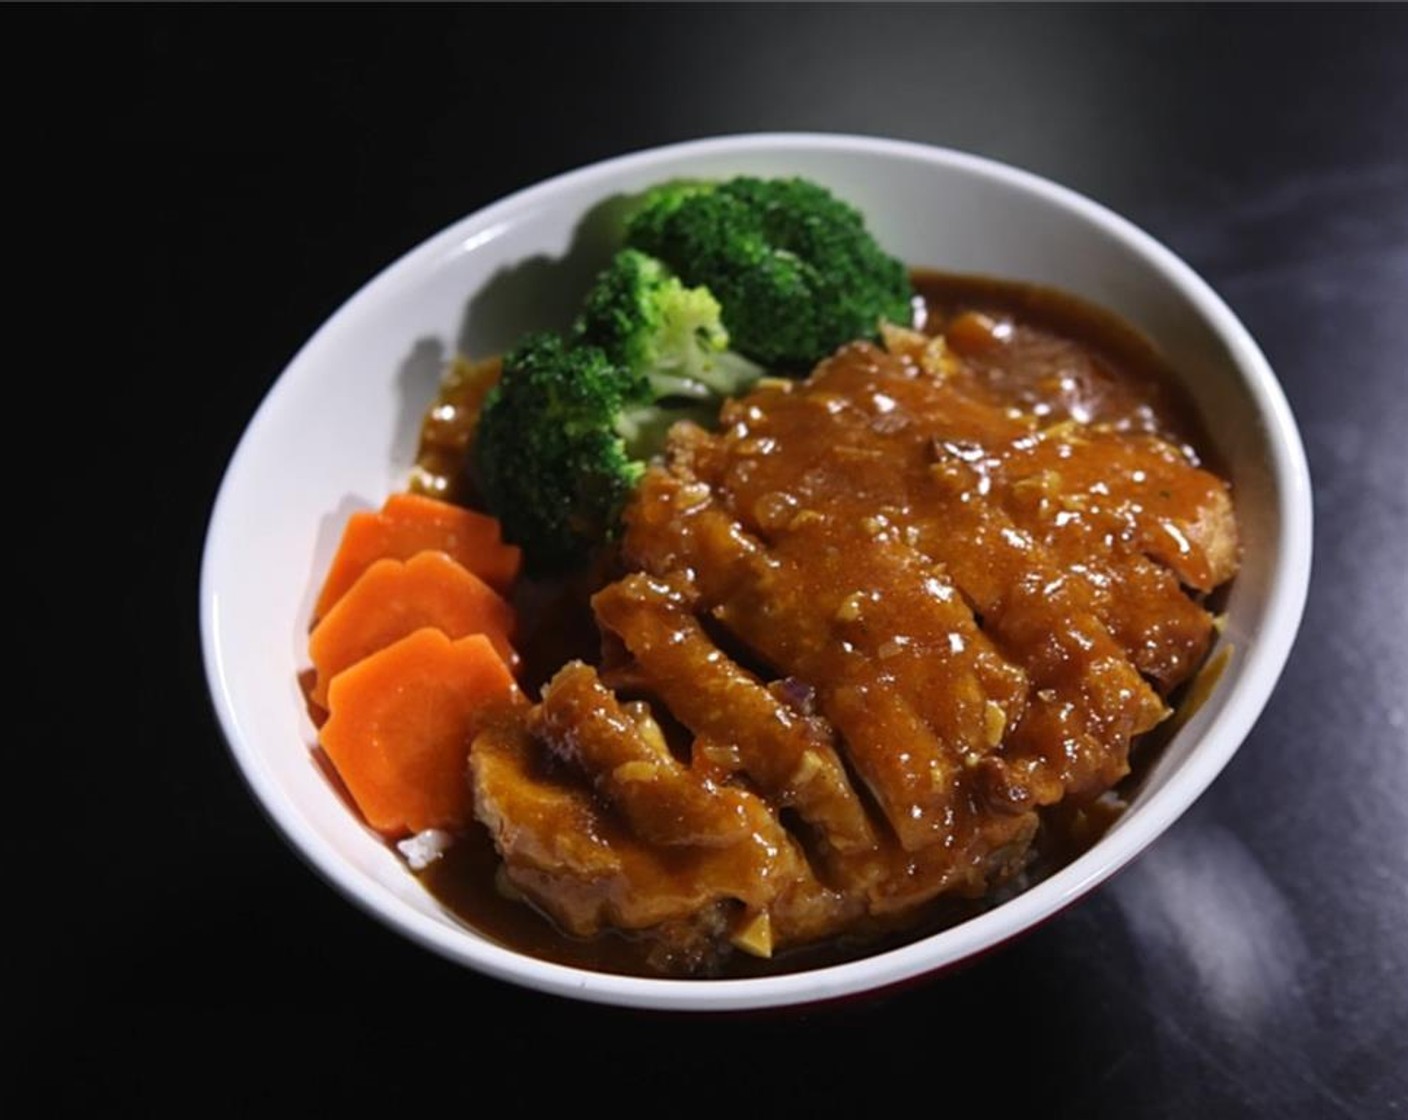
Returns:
(338, 430)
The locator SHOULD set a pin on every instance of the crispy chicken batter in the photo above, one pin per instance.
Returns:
(871, 629)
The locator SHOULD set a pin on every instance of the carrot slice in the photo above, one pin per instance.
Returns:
(411, 523)
(364, 541)
(474, 539)
(393, 598)
(401, 724)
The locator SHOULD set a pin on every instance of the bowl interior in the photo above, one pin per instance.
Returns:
(337, 432)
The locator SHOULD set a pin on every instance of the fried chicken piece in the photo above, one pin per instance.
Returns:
(900, 658)
(787, 755)
(584, 861)
(624, 755)
(898, 618)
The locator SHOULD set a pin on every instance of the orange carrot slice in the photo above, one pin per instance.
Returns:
(411, 523)
(401, 724)
(393, 598)
(474, 539)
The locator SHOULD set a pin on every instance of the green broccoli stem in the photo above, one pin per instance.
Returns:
(644, 426)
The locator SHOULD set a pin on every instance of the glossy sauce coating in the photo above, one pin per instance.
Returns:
(892, 615)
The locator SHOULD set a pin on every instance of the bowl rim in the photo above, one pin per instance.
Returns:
(1264, 663)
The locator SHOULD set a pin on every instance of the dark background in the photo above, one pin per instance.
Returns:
(206, 184)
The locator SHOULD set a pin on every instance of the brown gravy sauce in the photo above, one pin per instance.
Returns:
(1058, 355)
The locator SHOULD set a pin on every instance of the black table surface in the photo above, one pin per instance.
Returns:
(266, 161)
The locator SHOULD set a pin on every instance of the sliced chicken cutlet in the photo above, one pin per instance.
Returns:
(891, 614)
(601, 827)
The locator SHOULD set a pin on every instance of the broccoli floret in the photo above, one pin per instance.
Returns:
(778, 270)
(795, 269)
(640, 314)
(551, 450)
(565, 435)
